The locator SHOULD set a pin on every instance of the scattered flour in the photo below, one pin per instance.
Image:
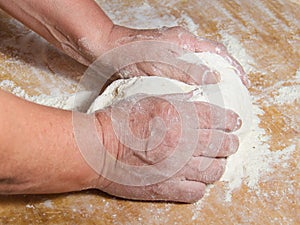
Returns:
(62, 101)
(298, 74)
(287, 95)
(138, 15)
(48, 204)
(253, 160)
(236, 49)
(145, 16)
(188, 23)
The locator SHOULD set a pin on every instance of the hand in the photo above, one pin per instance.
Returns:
(89, 33)
(180, 37)
(147, 117)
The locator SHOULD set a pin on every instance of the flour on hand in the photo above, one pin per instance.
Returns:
(229, 93)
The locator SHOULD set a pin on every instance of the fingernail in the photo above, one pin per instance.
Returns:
(238, 123)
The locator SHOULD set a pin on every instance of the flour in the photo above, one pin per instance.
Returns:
(48, 204)
(145, 16)
(298, 74)
(235, 48)
(253, 160)
(139, 16)
(62, 101)
(287, 95)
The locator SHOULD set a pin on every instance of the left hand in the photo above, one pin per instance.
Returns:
(179, 37)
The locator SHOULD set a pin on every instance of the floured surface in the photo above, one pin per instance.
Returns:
(262, 35)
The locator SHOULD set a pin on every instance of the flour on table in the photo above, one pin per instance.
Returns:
(63, 101)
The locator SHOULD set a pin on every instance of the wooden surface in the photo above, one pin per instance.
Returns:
(268, 30)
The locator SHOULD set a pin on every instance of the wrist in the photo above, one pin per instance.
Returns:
(79, 29)
(94, 43)
(39, 152)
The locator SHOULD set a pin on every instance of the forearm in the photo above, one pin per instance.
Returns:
(70, 25)
(38, 152)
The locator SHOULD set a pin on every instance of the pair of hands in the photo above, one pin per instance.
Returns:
(212, 127)
(89, 33)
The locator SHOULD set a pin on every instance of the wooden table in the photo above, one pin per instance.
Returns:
(269, 33)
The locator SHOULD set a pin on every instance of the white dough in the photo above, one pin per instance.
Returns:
(228, 93)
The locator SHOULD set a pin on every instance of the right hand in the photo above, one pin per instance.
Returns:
(206, 165)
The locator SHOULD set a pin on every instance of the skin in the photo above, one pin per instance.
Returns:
(39, 152)
(204, 167)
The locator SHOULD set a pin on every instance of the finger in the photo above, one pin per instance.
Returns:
(182, 71)
(174, 190)
(179, 191)
(239, 69)
(205, 45)
(187, 41)
(214, 143)
(214, 117)
(203, 169)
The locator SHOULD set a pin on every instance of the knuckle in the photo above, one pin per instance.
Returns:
(217, 170)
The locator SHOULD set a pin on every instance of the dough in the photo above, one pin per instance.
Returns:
(228, 93)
